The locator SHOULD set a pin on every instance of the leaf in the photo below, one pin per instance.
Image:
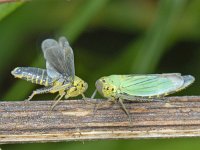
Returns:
(8, 8)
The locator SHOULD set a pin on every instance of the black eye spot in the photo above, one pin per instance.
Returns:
(112, 89)
(103, 81)
(82, 85)
(107, 88)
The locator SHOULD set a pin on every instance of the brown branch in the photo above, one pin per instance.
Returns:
(23, 122)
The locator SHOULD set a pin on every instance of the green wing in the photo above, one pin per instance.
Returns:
(150, 85)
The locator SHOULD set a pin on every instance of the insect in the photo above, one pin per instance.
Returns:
(59, 75)
(131, 87)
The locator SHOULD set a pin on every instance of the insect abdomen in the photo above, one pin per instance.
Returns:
(34, 75)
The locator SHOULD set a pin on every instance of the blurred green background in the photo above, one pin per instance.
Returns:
(108, 37)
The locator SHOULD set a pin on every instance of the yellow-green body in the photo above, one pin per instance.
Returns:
(150, 85)
(130, 87)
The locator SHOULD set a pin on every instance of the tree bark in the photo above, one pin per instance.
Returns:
(70, 120)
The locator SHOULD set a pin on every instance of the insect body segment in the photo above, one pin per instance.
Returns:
(34, 75)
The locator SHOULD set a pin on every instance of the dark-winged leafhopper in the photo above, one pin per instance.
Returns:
(59, 75)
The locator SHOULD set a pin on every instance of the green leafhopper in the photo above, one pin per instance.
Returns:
(130, 87)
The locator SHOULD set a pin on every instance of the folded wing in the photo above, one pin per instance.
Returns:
(153, 84)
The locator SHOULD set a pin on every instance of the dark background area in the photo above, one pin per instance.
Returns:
(108, 37)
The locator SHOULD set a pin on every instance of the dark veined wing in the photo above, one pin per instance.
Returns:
(59, 58)
(150, 85)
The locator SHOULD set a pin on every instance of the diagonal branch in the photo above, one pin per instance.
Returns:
(25, 122)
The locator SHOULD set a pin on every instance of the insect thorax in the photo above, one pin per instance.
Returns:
(79, 87)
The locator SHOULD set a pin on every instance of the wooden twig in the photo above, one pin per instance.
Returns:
(23, 122)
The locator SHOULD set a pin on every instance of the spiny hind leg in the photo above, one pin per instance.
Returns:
(39, 91)
(125, 110)
(123, 107)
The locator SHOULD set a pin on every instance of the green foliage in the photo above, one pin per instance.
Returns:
(6, 9)
(108, 37)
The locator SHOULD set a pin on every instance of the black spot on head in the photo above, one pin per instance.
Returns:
(112, 89)
(103, 81)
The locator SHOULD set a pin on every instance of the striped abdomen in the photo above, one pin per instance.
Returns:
(34, 75)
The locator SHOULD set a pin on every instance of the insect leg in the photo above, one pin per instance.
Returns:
(56, 97)
(85, 99)
(61, 96)
(38, 91)
(94, 94)
(124, 108)
(83, 96)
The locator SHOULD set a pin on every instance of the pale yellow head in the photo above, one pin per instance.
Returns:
(79, 87)
(106, 88)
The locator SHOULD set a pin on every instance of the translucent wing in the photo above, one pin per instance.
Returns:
(59, 58)
(68, 55)
(52, 72)
(150, 85)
